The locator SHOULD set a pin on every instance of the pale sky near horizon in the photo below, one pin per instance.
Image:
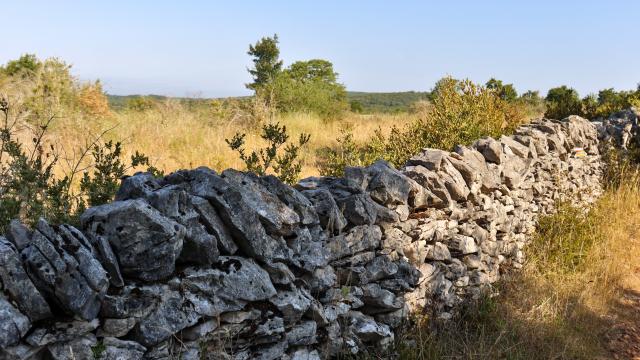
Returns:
(198, 48)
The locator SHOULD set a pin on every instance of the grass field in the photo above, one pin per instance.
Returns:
(175, 137)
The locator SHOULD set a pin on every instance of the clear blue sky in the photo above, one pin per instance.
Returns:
(198, 48)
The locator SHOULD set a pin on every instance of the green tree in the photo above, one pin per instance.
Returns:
(313, 70)
(310, 86)
(505, 92)
(266, 62)
(562, 101)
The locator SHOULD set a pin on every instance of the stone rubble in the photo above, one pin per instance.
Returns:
(236, 266)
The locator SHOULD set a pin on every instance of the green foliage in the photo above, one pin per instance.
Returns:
(266, 62)
(459, 113)
(286, 166)
(333, 161)
(505, 92)
(140, 103)
(26, 66)
(562, 101)
(304, 86)
(608, 101)
(101, 186)
(356, 106)
(29, 187)
(533, 103)
(386, 102)
(564, 239)
(309, 86)
(98, 350)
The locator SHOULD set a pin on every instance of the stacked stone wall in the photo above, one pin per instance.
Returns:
(230, 265)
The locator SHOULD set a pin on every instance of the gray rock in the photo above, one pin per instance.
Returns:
(490, 149)
(308, 249)
(331, 217)
(438, 251)
(17, 285)
(236, 211)
(13, 324)
(359, 239)
(199, 330)
(304, 354)
(303, 334)
(60, 332)
(116, 327)
(292, 304)
(133, 302)
(229, 287)
(379, 300)
(321, 279)
(516, 147)
(269, 331)
(78, 349)
(214, 225)
(199, 246)
(116, 349)
(146, 243)
(433, 183)
(140, 185)
(367, 329)
(65, 271)
(463, 244)
(385, 184)
(22, 351)
(172, 314)
(277, 217)
(292, 198)
(18, 234)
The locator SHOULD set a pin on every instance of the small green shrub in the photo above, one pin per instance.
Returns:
(286, 166)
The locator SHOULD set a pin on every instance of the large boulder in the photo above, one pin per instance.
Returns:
(146, 243)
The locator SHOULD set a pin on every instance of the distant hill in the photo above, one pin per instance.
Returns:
(371, 102)
(386, 102)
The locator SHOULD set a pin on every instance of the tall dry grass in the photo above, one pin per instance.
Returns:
(564, 301)
(175, 137)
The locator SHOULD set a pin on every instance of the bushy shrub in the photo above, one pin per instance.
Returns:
(561, 102)
(459, 113)
(140, 103)
(92, 100)
(564, 101)
(285, 165)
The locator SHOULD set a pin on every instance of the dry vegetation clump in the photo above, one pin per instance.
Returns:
(563, 303)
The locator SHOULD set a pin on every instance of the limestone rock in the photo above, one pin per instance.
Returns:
(146, 243)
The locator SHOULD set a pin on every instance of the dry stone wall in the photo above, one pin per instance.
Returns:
(234, 266)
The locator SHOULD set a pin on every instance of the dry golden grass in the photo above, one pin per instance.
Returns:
(556, 308)
(175, 137)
